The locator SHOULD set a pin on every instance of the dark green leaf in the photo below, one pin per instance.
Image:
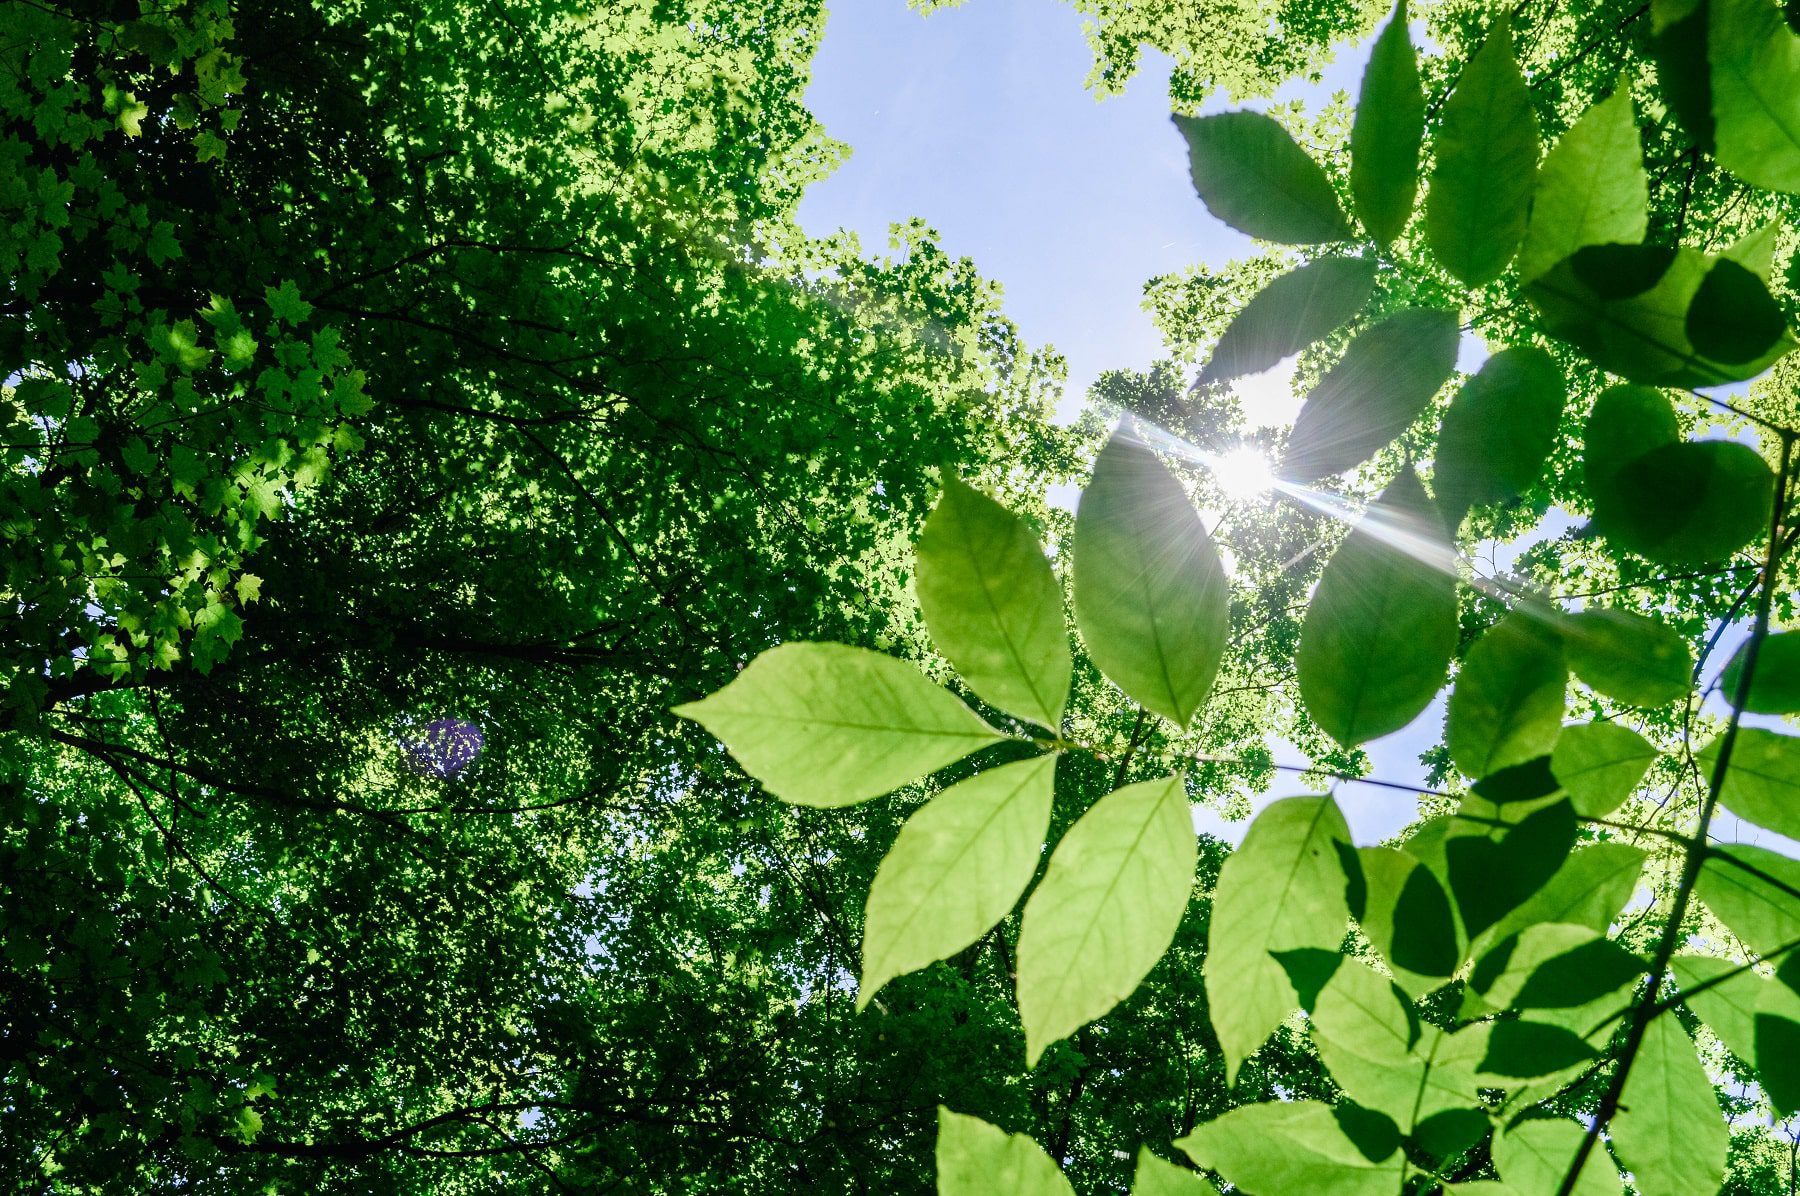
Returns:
(1588, 890)
(1755, 61)
(1373, 1131)
(1524, 1049)
(1296, 310)
(1309, 970)
(1448, 1135)
(1775, 683)
(1638, 660)
(1507, 704)
(1733, 318)
(1250, 174)
(1600, 764)
(1498, 431)
(1384, 381)
(1522, 782)
(1678, 46)
(1691, 503)
(1491, 878)
(1385, 138)
(1409, 918)
(1578, 976)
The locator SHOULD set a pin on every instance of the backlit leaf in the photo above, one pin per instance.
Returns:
(978, 1159)
(1762, 778)
(1678, 45)
(1600, 764)
(1755, 92)
(1507, 704)
(1755, 1017)
(1591, 188)
(1298, 309)
(1408, 918)
(1638, 660)
(1668, 1132)
(1250, 173)
(1775, 682)
(1535, 1155)
(1751, 890)
(1490, 876)
(1524, 1049)
(1498, 431)
(1487, 156)
(1387, 132)
(1159, 1177)
(1291, 1148)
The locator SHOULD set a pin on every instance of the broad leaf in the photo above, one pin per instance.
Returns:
(1678, 45)
(1106, 910)
(1755, 250)
(1487, 156)
(1638, 660)
(1381, 1054)
(1591, 188)
(1692, 503)
(1774, 683)
(978, 1159)
(1589, 890)
(1668, 1132)
(1762, 778)
(1381, 627)
(1498, 431)
(1554, 965)
(1756, 1018)
(1752, 890)
(1387, 132)
(1150, 592)
(831, 725)
(1492, 875)
(1521, 1050)
(1535, 1155)
(1600, 764)
(1525, 782)
(1385, 379)
(1507, 704)
(1298, 309)
(1408, 919)
(993, 606)
(959, 865)
(1159, 1177)
(1294, 1148)
(1755, 92)
(1282, 890)
(1250, 173)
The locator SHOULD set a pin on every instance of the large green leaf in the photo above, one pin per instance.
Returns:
(1648, 314)
(1282, 890)
(1775, 683)
(1554, 965)
(1752, 890)
(1487, 156)
(1381, 1054)
(1498, 431)
(1507, 704)
(1668, 1131)
(1408, 919)
(1589, 890)
(1591, 188)
(1294, 1148)
(1756, 1018)
(1600, 764)
(1625, 423)
(1689, 503)
(831, 725)
(1158, 1177)
(1387, 132)
(1292, 312)
(978, 1159)
(1381, 627)
(1250, 173)
(959, 864)
(1678, 45)
(1492, 874)
(1534, 1156)
(993, 606)
(1106, 910)
(1762, 778)
(1636, 659)
(1150, 592)
(1385, 379)
(1755, 92)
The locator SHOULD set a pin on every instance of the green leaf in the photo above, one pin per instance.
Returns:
(1150, 591)
(1525, 782)
(958, 866)
(1751, 890)
(1381, 627)
(1756, 1019)
(1159, 1177)
(1591, 189)
(1600, 764)
(1775, 683)
(1498, 431)
(1385, 379)
(830, 725)
(1554, 965)
(1250, 174)
(1638, 660)
(1534, 1156)
(1589, 890)
(1487, 156)
(1387, 131)
(1523, 1049)
(1492, 875)
(1668, 1131)
(1381, 1054)
(978, 1159)
(1692, 503)
(1298, 309)
(1106, 910)
(1755, 92)
(1448, 1135)
(1634, 310)
(1281, 890)
(1293, 1148)
(993, 606)
(1625, 423)
(1678, 45)
(1762, 779)
(1408, 918)
(1755, 250)
(1507, 705)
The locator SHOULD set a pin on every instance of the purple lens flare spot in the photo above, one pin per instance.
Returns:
(450, 745)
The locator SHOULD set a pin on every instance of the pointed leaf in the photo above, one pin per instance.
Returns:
(1298, 309)
(1385, 379)
(1158, 1177)
(1775, 683)
(831, 725)
(1638, 660)
(1381, 628)
(1589, 890)
(1762, 778)
(1487, 156)
(1387, 132)
(1250, 173)
(959, 865)
(1490, 877)
(1281, 890)
(1755, 92)
(1150, 593)
(1381, 1054)
(1678, 45)
(1591, 189)
(1668, 1131)
(1507, 705)
(1600, 764)
(993, 606)
(1498, 431)
(1289, 1149)
(978, 1159)
(1756, 1019)
(1408, 919)
(1106, 910)
(1524, 1049)
(1752, 890)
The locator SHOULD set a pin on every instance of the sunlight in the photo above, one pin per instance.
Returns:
(1243, 472)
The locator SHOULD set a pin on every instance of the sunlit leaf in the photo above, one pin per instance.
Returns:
(1385, 379)
(993, 606)
(1535, 1155)
(1490, 876)
(1408, 918)
(1159, 1177)
(1525, 782)
(1298, 309)
(978, 1159)
(1762, 778)
(1381, 1054)
(1385, 137)
(1755, 61)
(1591, 188)
(1668, 1132)
(1106, 910)
(1498, 431)
(958, 866)
(1250, 174)
(830, 725)
(1600, 764)
(1292, 1148)
(1775, 682)
(1752, 890)
(1554, 965)
(1507, 703)
(1381, 628)
(1150, 593)
(1638, 660)
(1756, 1018)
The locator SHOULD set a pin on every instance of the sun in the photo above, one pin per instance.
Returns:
(1243, 472)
